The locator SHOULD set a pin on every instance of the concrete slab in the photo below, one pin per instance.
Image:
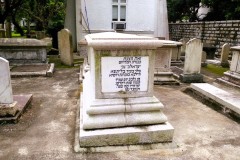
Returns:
(225, 98)
(213, 61)
(33, 70)
(22, 103)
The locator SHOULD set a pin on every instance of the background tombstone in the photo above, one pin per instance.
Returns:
(224, 55)
(163, 73)
(7, 105)
(23, 51)
(192, 65)
(176, 55)
(11, 106)
(65, 47)
(204, 58)
(2, 33)
(6, 96)
(232, 76)
(183, 47)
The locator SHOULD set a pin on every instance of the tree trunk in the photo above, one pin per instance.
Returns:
(18, 27)
(8, 29)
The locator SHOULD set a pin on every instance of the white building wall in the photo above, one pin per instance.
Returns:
(139, 17)
(99, 14)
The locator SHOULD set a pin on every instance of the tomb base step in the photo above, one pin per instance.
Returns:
(230, 103)
(176, 63)
(232, 77)
(122, 119)
(110, 120)
(8, 109)
(161, 133)
(22, 103)
(225, 82)
(191, 78)
(161, 78)
(111, 106)
(122, 137)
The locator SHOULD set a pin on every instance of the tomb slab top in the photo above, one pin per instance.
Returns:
(236, 48)
(21, 42)
(111, 40)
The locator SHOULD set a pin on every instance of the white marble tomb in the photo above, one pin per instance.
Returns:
(118, 92)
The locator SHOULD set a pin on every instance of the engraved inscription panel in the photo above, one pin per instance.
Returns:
(127, 74)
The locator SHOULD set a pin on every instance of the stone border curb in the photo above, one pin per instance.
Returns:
(48, 73)
(23, 102)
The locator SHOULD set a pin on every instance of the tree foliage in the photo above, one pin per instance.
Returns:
(180, 10)
(44, 13)
(223, 10)
(7, 8)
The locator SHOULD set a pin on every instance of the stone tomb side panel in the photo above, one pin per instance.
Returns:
(124, 73)
(235, 64)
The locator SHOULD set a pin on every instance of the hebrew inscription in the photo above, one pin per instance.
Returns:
(129, 74)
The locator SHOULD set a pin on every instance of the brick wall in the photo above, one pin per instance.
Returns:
(215, 33)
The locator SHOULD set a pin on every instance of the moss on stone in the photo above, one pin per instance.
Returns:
(216, 69)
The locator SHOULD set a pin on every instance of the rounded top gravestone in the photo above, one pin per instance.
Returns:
(5, 83)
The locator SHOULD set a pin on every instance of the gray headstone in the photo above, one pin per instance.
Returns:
(2, 33)
(183, 47)
(224, 54)
(65, 47)
(204, 56)
(6, 96)
(193, 57)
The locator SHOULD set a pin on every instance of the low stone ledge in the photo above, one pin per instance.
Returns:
(216, 98)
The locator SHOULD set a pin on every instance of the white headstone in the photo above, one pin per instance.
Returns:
(65, 47)
(235, 64)
(193, 57)
(6, 96)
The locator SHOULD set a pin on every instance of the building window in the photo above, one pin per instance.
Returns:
(119, 10)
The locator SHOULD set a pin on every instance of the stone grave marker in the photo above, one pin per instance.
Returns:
(117, 104)
(163, 73)
(23, 50)
(235, 65)
(7, 106)
(204, 58)
(224, 55)
(10, 109)
(6, 96)
(65, 47)
(2, 33)
(176, 55)
(192, 65)
(183, 47)
(232, 76)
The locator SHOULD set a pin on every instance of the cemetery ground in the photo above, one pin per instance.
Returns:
(47, 128)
